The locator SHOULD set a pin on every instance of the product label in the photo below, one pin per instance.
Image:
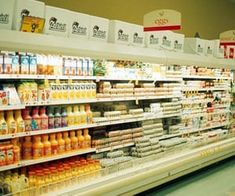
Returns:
(2, 156)
(153, 40)
(74, 145)
(12, 127)
(37, 153)
(79, 67)
(64, 122)
(54, 149)
(199, 49)
(98, 33)
(21, 126)
(80, 144)
(27, 153)
(209, 51)
(24, 64)
(47, 151)
(10, 157)
(122, 36)
(44, 123)
(3, 128)
(57, 121)
(55, 25)
(28, 126)
(137, 39)
(166, 42)
(87, 143)
(178, 46)
(15, 64)
(33, 65)
(78, 29)
(61, 148)
(36, 124)
(7, 65)
(67, 147)
(4, 18)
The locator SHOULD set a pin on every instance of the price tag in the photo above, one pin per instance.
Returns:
(32, 24)
(137, 82)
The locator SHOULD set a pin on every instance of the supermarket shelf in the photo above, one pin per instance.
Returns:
(48, 44)
(12, 107)
(115, 147)
(197, 101)
(206, 77)
(185, 116)
(46, 159)
(48, 131)
(204, 89)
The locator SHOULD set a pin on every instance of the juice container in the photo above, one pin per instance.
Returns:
(36, 120)
(71, 91)
(53, 90)
(57, 118)
(85, 67)
(67, 141)
(24, 63)
(79, 67)
(93, 90)
(83, 91)
(16, 150)
(34, 92)
(47, 145)
(19, 121)
(44, 118)
(88, 90)
(70, 116)
(64, 117)
(77, 115)
(74, 140)
(77, 89)
(91, 67)
(83, 115)
(27, 148)
(32, 64)
(54, 144)
(59, 90)
(32, 178)
(65, 93)
(7, 60)
(27, 119)
(89, 114)
(11, 123)
(87, 139)
(51, 119)
(37, 147)
(61, 143)
(9, 154)
(3, 124)
(44, 92)
(73, 68)
(15, 64)
(80, 139)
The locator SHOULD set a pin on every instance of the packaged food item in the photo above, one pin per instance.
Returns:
(24, 63)
(3, 124)
(67, 141)
(19, 121)
(27, 119)
(54, 144)
(57, 117)
(44, 118)
(74, 140)
(27, 148)
(51, 119)
(32, 64)
(13, 95)
(36, 120)
(37, 147)
(11, 123)
(87, 139)
(81, 139)
(4, 98)
(15, 64)
(61, 143)
(64, 117)
(46, 145)
(7, 63)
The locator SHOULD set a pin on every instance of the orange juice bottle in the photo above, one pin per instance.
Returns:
(74, 140)
(37, 147)
(61, 143)
(11, 123)
(36, 119)
(27, 148)
(89, 114)
(87, 139)
(3, 124)
(83, 115)
(19, 121)
(54, 144)
(27, 119)
(70, 116)
(77, 115)
(47, 145)
(16, 150)
(67, 141)
(80, 139)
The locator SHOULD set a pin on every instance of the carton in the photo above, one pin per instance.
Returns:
(218, 50)
(166, 39)
(57, 21)
(178, 42)
(79, 25)
(6, 13)
(209, 49)
(136, 35)
(119, 32)
(27, 8)
(152, 40)
(194, 45)
(99, 28)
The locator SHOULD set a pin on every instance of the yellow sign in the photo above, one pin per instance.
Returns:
(32, 24)
(227, 35)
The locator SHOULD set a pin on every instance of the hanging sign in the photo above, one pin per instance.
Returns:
(160, 20)
(227, 41)
(227, 36)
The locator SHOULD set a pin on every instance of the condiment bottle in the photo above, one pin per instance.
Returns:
(64, 117)
(27, 148)
(87, 139)
(57, 118)
(80, 139)
(37, 147)
(47, 145)
(27, 119)
(11, 123)
(77, 115)
(83, 115)
(74, 140)
(61, 143)
(44, 118)
(67, 141)
(70, 116)
(89, 114)
(36, 120)
(54, 144)
(9, 154)
(16, 150)
(3, 124)
(51, 120)
(19, 121)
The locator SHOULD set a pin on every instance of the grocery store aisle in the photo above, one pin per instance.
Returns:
(216, 180)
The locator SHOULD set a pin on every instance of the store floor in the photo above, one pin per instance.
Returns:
(216, 180)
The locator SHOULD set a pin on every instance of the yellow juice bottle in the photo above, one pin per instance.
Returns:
(77, 115)
(89, 114)
(87, 139)
(3, 124)
(77, 90)
(83, 93)
(37, 147)
(27, 148)
(83, 114)
(46, 145)
(80, 139)
(19, 121)
(11, 123)
(16, 150)
(67, 141)
(70, 116)
(74, 140)
(61, 143)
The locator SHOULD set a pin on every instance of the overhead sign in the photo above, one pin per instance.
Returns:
(160, 20)
(227, 35)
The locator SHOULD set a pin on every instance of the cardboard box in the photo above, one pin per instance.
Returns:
(218, 50)
(166, 39)
(178, 42)
(57, 21)
(99, 28)
(79, 25)
(136, 35)
(194, 45)
(209, 49)
(119, 32)
(152, 40)
(6, 13)
(27, 8)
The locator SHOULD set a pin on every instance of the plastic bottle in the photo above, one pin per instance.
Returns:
(83, 115)
(3, 124)
(57, 118)
(44, 118)
(36, 120)
(11, 123)
(16, 150)
(74, 140)
(19, 121)
(77, 115)
(67, 141)
(51, 120)
(27, 148)
(61, 143)
(80, 139)
(37, 147)
(47, 145)
(89, 114)
(70, 116)
(54, 144)
(64, 117)
(87, 139)
(27, 119)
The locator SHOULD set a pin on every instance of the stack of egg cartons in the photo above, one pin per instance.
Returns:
(173, 107)
(152, 128)
(155, 108)
(155, 146)
(172, 143)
